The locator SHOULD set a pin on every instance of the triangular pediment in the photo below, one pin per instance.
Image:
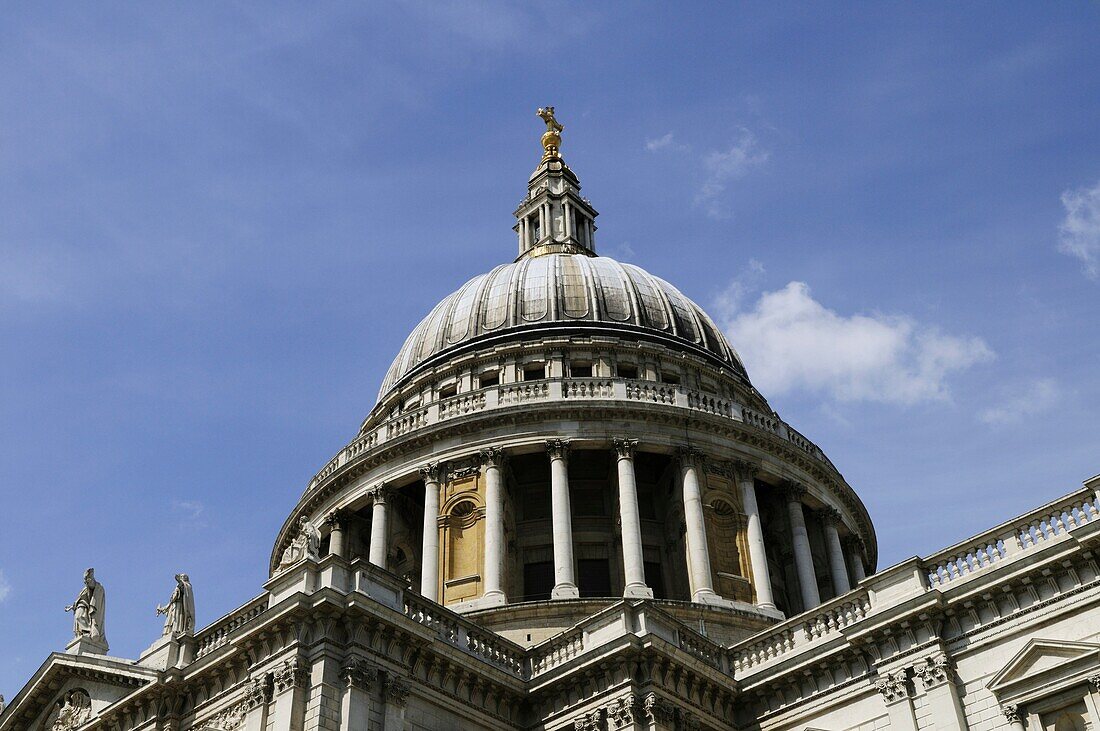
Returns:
(1040, 658)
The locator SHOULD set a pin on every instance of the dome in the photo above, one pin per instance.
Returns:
(568, 291)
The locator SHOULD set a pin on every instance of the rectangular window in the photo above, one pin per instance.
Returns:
(538, 580)
(488, 379)
(580, 370)
(534, 372)
(628, 371)
(594, 577)
(448, 390)
(536, 229)
(654, 579)
(670, 378)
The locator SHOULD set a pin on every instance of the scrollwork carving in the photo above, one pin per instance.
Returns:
(358, 673)
(933, 671)
(625, 448)
(893, 686)
(291, 674)
(396, 690)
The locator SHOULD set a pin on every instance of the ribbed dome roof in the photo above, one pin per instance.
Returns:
(566, 291)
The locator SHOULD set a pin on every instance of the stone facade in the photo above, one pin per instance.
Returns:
(570, 509)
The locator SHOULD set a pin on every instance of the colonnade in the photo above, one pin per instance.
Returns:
(844, 557)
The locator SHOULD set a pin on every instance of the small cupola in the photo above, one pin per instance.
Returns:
(554, 218)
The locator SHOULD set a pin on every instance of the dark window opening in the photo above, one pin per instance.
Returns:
(448, 391)
(653, 579)
(628, 371)
(536, 229)
(489, 379)
(647, 508)
(581, 370)
(587, 502)
(593, 577)
(534, 372)
(538, 580)
(670, 379)
(536, 504)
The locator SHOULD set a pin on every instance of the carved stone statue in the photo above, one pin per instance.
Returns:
(307, 544)
(179, 612)
(88, 610)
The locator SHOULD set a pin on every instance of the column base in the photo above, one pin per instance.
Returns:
(708, 596)
(492, 599)
(565, 591)
(637, 591)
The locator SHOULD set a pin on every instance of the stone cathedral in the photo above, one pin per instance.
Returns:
(570, 509)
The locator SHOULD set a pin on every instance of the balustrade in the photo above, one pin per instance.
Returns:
(217, 634)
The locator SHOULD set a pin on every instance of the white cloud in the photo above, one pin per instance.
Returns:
(1037, 397)
(1079, 234)
(718, 167)
(190, 512)
(5, 587)
(791, 342)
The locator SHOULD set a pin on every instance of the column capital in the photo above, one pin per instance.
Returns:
(1094, 681)
(623, 711)
(258, 692)
(745, 470)
(431, 472)
(624, 448)
(557, 448)
(492, 456)
(395, 690)
(659, 709)
(690, 455)
(291, 674)
(1013, 713)
(336, 520)
(358, 673)
(893, 686)
(852, 542)
(933, 671)
(792, 490)
(829, 514)
(591, 721)
(380, 493)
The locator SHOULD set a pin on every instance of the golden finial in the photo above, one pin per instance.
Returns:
(551, 139)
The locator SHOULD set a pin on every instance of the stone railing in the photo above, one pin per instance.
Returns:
(557, 650)
(1048, 523)
(571, 389)
(217, 634)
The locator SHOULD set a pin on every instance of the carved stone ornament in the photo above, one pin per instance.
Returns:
(358, 673)
(722, 468)
(745, 470)
(830, 514)
(690, 455)
(622, 712)
(591, 721)
(258, 692)
(291, 674)
(933, 671)
(1094, 681)
(625, 448)
(71, 710)
(380, 493)
(336, 520)
(791, 490)
(1013, 714)
(658, 709)
(431, 472)
(492, 457)
(229, 719)
(892, 686)
(396, 690)
(557, 448)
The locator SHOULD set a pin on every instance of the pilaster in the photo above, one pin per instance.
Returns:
(291, 681)
(358, 678)
(395, 697)
(935, 676)
(895, 691)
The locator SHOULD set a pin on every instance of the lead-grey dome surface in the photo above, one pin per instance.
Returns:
(560, 291)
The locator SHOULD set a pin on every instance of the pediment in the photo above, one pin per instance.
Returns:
(1049, 660)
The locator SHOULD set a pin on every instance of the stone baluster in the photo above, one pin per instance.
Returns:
(336, 522)
(429, 552)
(493, 459)
(565, 584)
(830, 519)
(379, 525)
(698, 557)
(803, 559)
(745, 473)
(630, 520)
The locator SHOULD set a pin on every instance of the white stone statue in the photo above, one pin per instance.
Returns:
(179, 612)
(307, 544)
(88, 610)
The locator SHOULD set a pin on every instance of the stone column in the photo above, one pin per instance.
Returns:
(803, 559)
(359, 678)
(630, 521)
(493, 458)
(336, 522)
(379, 526)
(894, 688)
(941, 695)
(754, 534)
(854, 551)
(698, 557)
(290, 680)
(830, 519)
(1015, 717)
(429, 552)
(395, 696)
(565, 584)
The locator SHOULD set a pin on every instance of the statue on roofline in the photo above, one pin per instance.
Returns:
(89, 609)
(179, 612)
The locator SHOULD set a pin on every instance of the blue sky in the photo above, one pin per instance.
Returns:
(218, 222)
